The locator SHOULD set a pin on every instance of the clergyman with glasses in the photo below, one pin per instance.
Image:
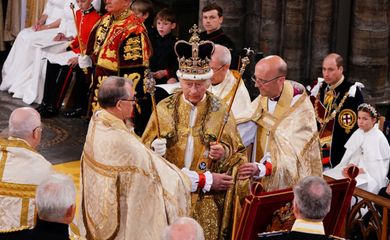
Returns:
(223, 82)
(127, 191)
(22, 168)
(284, 126)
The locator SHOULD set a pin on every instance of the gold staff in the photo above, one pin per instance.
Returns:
(150, 85)
(85, 70)
(244, 62)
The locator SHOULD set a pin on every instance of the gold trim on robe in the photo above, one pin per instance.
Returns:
(128, 192)
(213, 210)
(292, 138)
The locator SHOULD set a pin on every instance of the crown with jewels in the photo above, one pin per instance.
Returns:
(370, 108)
(194, 57)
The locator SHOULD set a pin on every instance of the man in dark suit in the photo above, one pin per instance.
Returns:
(56, 204)
(212, 18)
(312, 199)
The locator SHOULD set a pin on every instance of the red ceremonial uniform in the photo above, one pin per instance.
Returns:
(121, 47)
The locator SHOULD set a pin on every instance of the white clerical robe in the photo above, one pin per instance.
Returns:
(24, 69)
(241, 107)
(128, 192)
(21, 170)
(370, 151)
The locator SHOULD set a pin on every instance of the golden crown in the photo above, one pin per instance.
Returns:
(194, 57)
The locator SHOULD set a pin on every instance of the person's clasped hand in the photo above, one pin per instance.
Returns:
(160, 146)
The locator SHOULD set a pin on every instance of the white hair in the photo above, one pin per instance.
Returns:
(222, 55)
(54, 196)
(23, 121)
(185, 222)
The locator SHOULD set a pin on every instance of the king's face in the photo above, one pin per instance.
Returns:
(194, 90)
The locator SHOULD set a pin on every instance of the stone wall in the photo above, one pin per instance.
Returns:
(304, 31)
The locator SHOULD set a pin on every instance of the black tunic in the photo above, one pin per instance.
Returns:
(42, 231)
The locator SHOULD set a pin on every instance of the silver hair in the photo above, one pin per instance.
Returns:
(225, 58)
(54, 196)
(187, 221)
(313, 196)
(23, 127)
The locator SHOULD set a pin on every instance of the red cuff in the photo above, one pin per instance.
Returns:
(268, 168)
(202, 181)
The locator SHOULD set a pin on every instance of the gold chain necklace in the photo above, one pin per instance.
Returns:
(334, 112)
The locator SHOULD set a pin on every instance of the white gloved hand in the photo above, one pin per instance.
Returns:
(85, 61)
(160, 146)
(261, 165)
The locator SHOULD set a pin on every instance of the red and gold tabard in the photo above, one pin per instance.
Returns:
(85, 20)
(119, 47)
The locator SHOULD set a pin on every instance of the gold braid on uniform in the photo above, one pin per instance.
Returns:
(213, 104)
(334, 112)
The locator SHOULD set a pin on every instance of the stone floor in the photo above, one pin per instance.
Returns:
(62, 139)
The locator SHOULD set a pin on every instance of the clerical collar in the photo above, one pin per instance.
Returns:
(334, 86)
(89, 10)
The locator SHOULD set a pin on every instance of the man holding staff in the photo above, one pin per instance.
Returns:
(190, 121)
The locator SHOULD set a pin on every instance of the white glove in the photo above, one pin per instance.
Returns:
(261, 165)
(160, 146)
(84, 61)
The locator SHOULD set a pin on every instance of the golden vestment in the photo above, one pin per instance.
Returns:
(21, 170)
(241, 107)
(128, 192)
(292, 137)
(213, 210)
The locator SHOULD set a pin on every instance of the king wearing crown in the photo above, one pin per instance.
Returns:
(188, 123)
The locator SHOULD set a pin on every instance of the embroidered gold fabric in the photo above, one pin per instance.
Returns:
(293, 139)
(128, 192)
(212, 210)
(21, 170)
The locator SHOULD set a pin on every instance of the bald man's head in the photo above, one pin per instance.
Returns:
(273, 64)
(270, 73)
(22, 124)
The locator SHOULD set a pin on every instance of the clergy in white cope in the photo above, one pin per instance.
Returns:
(127, 191)
(368, 149)
(223, 84)
(283, 129)
(22, 168)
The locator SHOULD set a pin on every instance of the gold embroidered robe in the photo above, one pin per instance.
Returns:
(128, 192)
(213, 210)
(21, 169)
(293, 138)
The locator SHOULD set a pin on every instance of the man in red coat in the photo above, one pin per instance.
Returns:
(61, 66)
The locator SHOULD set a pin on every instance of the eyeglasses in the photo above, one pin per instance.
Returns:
(262, 81)
(218, 68)
(133, 99)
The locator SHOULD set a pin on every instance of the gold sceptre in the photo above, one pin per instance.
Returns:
(244, 62)
(85, 70)
(150, 85)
